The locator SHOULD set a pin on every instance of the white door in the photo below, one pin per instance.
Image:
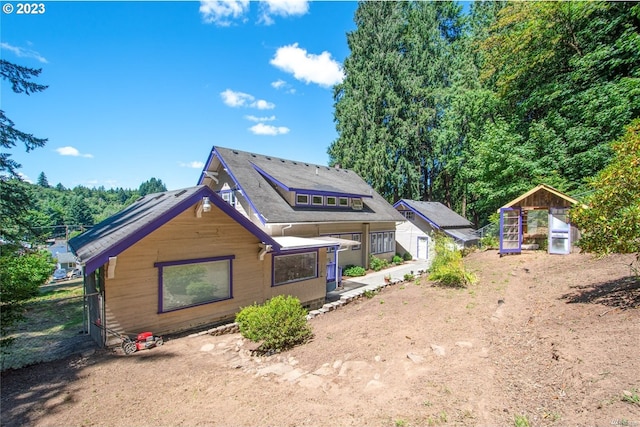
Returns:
(559, 231)
(423, 248)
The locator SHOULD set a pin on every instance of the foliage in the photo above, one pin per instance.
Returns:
(278, 324)
(407, 256)
(377, 264)
(490, 242)
(154, 185)
(610, 218)
(474, 110)
(21, 272)
(21, 275)
(447, 267)
(354, 271)
(397, 259)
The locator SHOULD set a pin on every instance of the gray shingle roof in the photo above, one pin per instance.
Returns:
(258, 174)
(120, 231)
(438, 213)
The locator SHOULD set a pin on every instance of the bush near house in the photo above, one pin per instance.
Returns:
(447, 268)
(397, 259)
(354, 271)
(278, 324)
(378, 264)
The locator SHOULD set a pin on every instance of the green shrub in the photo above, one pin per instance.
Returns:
(354, 271)
(407, 256)
(489, 242)
(397, 259)
(447, 267)
(378, 264)
(278, 324)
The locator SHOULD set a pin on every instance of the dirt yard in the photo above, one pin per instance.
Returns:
(539, 340)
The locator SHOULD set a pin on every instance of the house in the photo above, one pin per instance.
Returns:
(293, 199)
(178, 260)
(536, 219)
(416, 235)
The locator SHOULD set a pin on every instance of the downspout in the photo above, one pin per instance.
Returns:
(337, 263)
(286, 228)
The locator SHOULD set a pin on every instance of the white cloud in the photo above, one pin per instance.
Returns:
(24, 177)
(282, 8)
(24, 53)
(261, 104)
(262, 129)
(221, 12)
(193, 165)
(260, 119)
(240, 99)
(308, 67)
(72, 151)
(279, 84)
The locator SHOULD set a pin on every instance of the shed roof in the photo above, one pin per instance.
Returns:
(542, 196)
(436, 213)
(120, 231)
(258, 176)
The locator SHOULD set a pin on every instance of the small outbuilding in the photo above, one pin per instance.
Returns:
(423, 219)
(537, 219)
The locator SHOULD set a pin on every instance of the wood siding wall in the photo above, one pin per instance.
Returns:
(131, 297)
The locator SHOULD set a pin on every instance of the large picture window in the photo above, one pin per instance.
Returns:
(294, 267)
(194, 282)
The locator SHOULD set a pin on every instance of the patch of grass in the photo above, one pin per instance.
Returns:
(521, 421)
(631, 396)
(400, 423)
(369, 293)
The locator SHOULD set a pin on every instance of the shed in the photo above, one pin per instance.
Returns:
(537, 219)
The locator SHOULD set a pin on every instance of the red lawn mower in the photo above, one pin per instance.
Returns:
(144, 340)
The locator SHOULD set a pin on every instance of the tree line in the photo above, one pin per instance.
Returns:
(473, 108)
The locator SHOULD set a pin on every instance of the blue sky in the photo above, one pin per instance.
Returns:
(146, 89)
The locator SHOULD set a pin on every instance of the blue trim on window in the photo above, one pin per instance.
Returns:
(161, 265)
(295, 252)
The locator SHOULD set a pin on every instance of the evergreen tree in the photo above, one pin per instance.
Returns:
(42, 180)
(152, 186)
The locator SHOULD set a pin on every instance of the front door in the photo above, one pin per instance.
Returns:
(559, 231)
(510, 231)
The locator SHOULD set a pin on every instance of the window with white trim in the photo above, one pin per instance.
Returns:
(302, 199)
(194, 282)
(294, 267)
(316, 200)
(332, 201)
(410, 215)
(383, 242)
(343, 202)
(358, 238)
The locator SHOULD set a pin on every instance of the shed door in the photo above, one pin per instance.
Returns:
(559, 231)
(510, 231)
(423, 247)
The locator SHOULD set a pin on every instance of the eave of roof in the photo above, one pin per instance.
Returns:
(434, 213)
(120, 231)
(535, 190)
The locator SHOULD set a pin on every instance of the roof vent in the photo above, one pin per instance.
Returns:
(180, 193)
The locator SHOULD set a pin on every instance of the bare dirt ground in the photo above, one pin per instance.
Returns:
(546, 340)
